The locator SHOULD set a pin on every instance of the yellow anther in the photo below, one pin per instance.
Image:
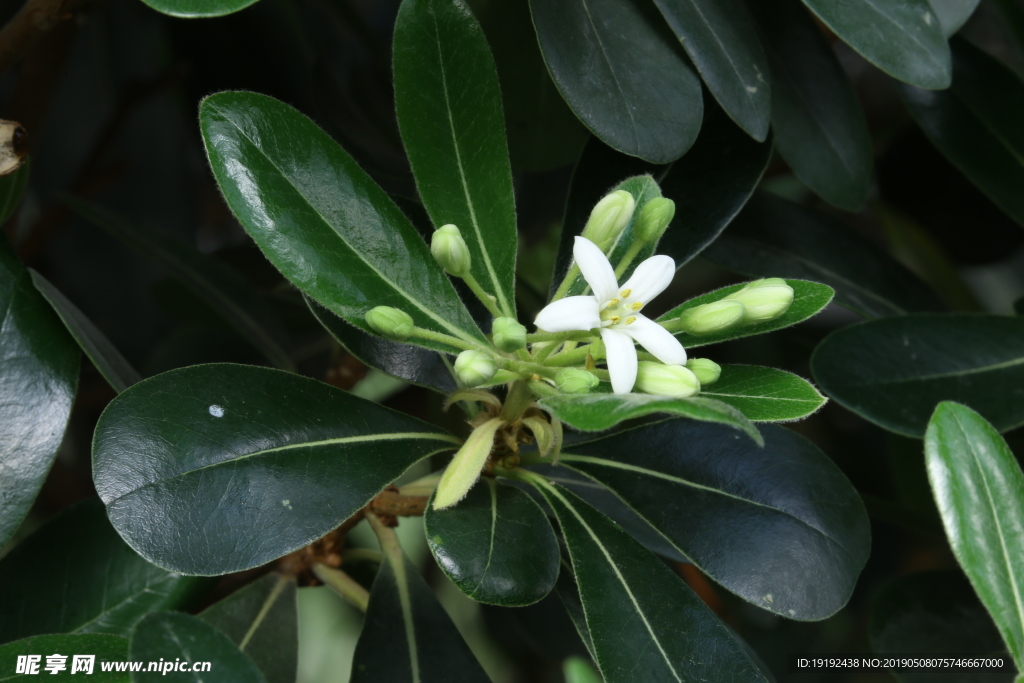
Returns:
(626, 293)
(630, 320)
(615, 319)
(613, 302)
(637, 306)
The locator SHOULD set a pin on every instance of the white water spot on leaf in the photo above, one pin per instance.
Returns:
(751, 89)
(216, 411)
(287, 503)
(792, 612)
(928, 18)
(769, 599)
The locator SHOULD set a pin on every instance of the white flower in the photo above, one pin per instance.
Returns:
(616, 312)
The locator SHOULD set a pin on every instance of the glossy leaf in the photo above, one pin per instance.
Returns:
(480, 544)
(780, 526)
(38, 377)
(262, 620)
(634, 606)
(597, 412)
(197, 9)
(12, 187)
(901, 37)
(720, 38)
(451, 119)
(215, 283)
(765, 394)
(809, 298)
(819, 126)
(773, 237)
(170, 636)
(979, 490)
(106, 648)
(321, 220)
(623, 73)
(894, 372)
(953, 14)
(217, 468)
(76, 575)
(976, 124)
(108, 360)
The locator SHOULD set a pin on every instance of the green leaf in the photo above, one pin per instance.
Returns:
(817, 119)
(720, 38)
(479, 544)
(976, 124)
(777, 238)
(169, 636)
(76, 575)
(451, 119)
(578, 670)
(765, 394)
(38, 376)
(809, 298)
(979, 490)
(108, 360)
(321, 220)
(634, 605)
(953, 14)
(262, 620)
(779, 526)
(215, 283)
(217, 468)
(894, 372)
(106, 648)
(597, 412)
(901, 37)
(623, 73)
(12, 187)
(197, 9)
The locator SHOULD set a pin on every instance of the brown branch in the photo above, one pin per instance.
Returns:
(35, 18)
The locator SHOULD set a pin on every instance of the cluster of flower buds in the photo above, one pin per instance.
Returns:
(758, 302)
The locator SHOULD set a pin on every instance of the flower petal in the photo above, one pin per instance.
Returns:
(596, 270)
(656, 339)
(621, 356)
(651, 278)
(570, 313)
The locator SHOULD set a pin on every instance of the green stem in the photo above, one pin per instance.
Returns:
(344, 585)
(430, 335)
(526, 368)
(570, 277)
(361, 555)
(542, 389)
(517, 401)
(486, 299)
(627, 258)
(573, 335)
(544, 349)
(674, 325)
(575, 356)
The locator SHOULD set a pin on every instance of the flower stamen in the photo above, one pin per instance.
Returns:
(637, 305)
(626, 292)
(630, 320)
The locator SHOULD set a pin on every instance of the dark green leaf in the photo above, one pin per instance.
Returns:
(976, 124)
(765, 394)
(216, 468)
(809, 298)
(76, 575)
(480, 544)
(780, 526)
(106, 648)
(192, 9)
(634, 606)
(953, 14)
(979, 490)
(450, 115)
(578, 670)
(38, 376)
(623, 73)
(818, 123)
(12, 187)
(170, 636)
(597, 412)
(321, 220)
(261, 619)
(901, 37)
(895, 371)
(108, 360)
(777, 238)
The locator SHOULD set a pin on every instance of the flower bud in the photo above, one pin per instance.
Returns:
(666, 380)
(654, 219)
(610, 216)
(764, 299)
(474, 368)
(575, 381)
(508, 334)
(389, 323)
(450, 250)
(707, 371)
(713, 317)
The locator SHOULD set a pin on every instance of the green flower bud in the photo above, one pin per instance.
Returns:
(474, 368)
(508, 334)
(666, 380)
(575, 381)
(654, 219)
(707, 371)
(389, 323)
(713, 317)
(764, 299)
(450, 250)
(609, 218)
